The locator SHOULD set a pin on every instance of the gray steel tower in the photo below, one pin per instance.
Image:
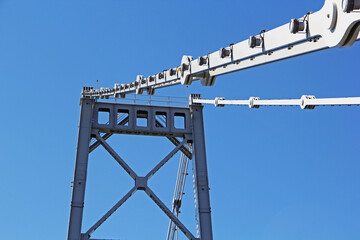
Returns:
(123, 119)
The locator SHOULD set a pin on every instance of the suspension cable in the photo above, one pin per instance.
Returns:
(305, 102)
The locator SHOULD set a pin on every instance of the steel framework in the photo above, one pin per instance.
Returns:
(337, 24)
(123, 120)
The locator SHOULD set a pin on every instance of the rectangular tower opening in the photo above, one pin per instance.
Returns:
(123, 117)
(103, 116)
(141, 118)
(161, 119)
(179, 120)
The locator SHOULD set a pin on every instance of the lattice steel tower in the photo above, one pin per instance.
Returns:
(160, 120)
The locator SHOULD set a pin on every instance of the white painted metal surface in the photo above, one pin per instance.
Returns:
(305, 102)
(337, 24)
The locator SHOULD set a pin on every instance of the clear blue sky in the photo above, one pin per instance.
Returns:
(275, 173)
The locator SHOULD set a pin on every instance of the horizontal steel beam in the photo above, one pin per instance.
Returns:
(142, 120)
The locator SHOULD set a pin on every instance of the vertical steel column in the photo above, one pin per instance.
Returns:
(201, 174)
(82, 153)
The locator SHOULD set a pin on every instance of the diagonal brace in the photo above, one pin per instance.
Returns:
(166, 159)
(112, 152)
(110, 212)
(148, 191)
(168, 213)
(183, 149)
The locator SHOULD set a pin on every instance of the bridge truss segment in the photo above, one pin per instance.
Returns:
(337, 24)
(123, 120)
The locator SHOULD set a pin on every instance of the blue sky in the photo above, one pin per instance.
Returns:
(275, 173)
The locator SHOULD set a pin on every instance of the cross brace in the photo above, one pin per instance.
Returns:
(140, 184)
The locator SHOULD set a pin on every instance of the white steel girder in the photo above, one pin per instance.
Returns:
(337, 24)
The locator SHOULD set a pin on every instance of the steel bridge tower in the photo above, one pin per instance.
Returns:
(123, 120)
(336, 24)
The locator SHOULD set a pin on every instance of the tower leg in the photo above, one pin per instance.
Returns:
(201, 174)
(82, 153)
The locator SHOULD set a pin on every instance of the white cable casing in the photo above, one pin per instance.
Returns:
(305, 102)
(329, 27)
